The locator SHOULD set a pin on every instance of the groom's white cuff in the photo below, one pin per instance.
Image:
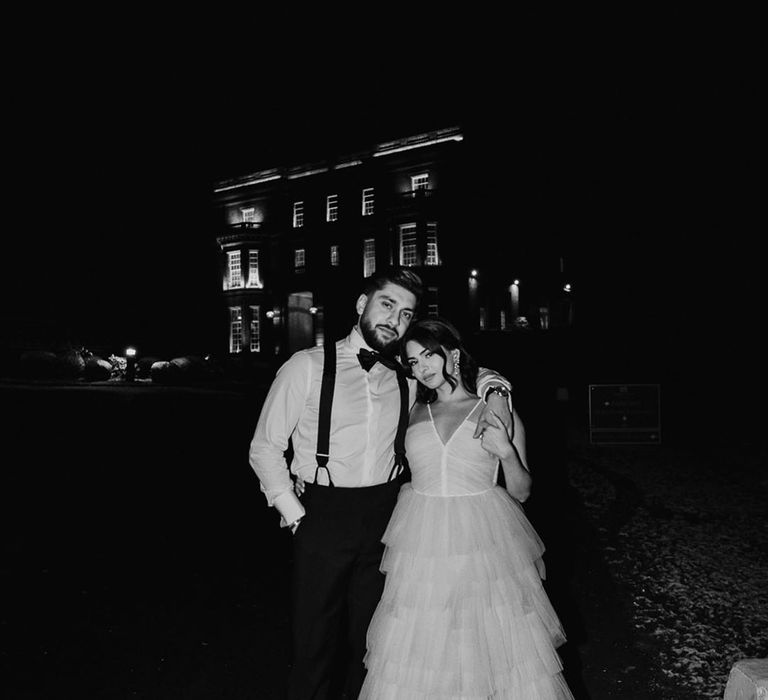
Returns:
(486, 379)
(289, 507)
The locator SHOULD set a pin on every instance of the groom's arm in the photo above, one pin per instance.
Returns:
(498, 403)
(489, 378)
(279, 416)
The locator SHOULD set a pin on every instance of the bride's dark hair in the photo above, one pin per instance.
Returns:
(434, 335)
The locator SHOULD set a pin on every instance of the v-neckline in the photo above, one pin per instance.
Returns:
(456, 429)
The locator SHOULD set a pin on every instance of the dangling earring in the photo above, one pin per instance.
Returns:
(456, 366)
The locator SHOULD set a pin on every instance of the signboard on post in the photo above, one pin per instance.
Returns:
(624, 414)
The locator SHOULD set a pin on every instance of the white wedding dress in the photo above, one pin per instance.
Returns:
(463, 613)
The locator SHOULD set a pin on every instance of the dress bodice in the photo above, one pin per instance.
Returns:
(458, 467)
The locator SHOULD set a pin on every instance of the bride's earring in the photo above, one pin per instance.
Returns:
(456, 364)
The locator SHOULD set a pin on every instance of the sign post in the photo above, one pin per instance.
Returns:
(624, 414)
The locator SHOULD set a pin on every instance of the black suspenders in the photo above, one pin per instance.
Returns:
(326, 402)
(400, 467)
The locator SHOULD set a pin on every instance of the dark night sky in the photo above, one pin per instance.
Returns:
(640, 154)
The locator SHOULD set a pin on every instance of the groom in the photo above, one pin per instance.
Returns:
(351, 481)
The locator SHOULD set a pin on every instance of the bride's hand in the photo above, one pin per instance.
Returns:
(495, 438)
(497, 406)
(298, 486)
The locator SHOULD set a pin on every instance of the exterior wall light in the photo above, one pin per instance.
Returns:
(514, 298)
(130, 365)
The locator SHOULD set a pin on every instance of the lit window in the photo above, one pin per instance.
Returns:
(503, 320)
(433, 256)
(234, 270)
(409, 254)
(419, 183)
(255, 329)
(249, 215)
(299, 259)
(432, 305)
(334, 255)
(332, 207)
(368, 201)
(298, 214)
(235, 329)
(254, 279)
(369, 257)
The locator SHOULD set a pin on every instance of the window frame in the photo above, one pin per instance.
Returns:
(235, 322)
(432, 258)
(332, 208)
(254, 329)
(298, 214)
(419, 183)
(368, 201)
(433, 302)
(369, 256)
(299, 259)
(254, 280)
(413, 244)
(235, 269)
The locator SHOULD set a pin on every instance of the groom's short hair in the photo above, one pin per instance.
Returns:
(402, 277)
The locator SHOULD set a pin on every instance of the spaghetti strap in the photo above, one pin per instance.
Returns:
(458, 427)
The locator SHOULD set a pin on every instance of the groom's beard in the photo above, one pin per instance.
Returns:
(376, 340)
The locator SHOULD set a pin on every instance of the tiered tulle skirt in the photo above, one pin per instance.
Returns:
(463, 614)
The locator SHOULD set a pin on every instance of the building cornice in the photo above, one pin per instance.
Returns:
(431, 138)
(238, 237)
(420, 141)
(252, 179)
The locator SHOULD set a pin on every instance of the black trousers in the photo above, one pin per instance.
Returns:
(337, 584)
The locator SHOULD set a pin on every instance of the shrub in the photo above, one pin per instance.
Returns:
(71, 364)
(118, 364)
(163, 372)
(190, 367)
(39, 364)
(144, 367)
(97, 369)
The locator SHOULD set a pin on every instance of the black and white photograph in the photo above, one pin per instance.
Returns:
(409, 360)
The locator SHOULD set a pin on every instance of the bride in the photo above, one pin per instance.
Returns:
(463, 613)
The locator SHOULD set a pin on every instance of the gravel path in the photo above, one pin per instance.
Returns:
(685, 535)
(160, 573)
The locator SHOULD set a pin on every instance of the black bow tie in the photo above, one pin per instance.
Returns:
(368, 359)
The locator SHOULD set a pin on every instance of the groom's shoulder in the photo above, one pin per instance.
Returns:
(309, 356)
(300, 361)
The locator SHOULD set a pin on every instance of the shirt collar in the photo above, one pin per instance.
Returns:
(355, 341)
